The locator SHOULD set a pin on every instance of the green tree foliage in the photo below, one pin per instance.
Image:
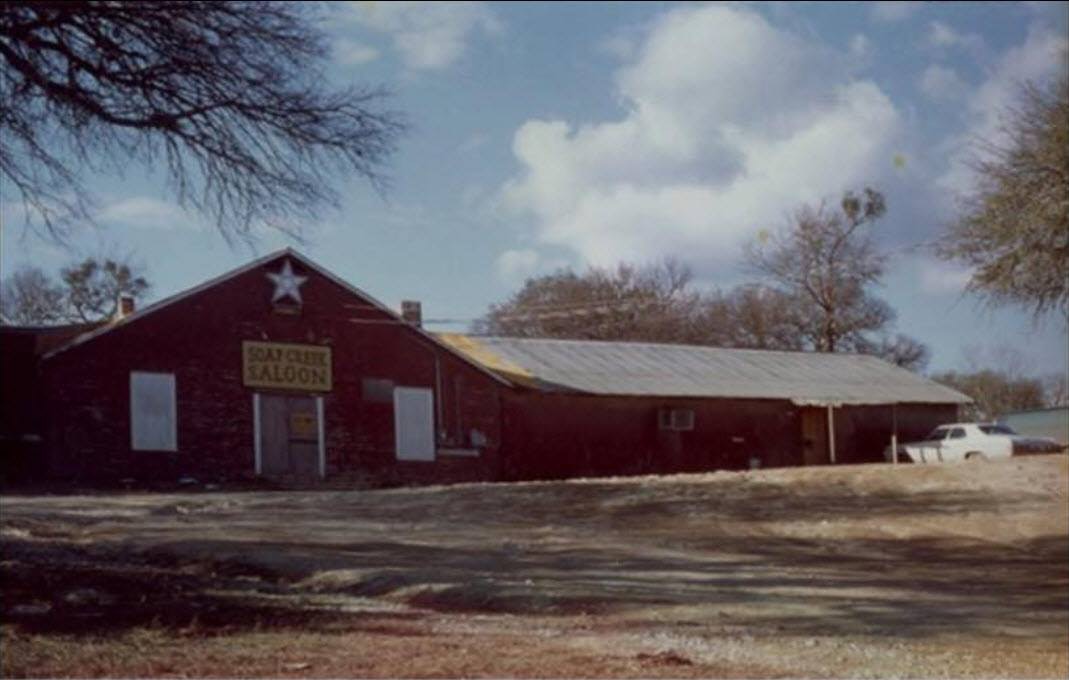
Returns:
(1014, 229)
(87, 291)
(228, 99)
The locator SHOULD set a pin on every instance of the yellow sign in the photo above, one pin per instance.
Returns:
(304, 426)
(286, 366)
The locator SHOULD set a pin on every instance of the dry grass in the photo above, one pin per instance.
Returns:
(921, 571)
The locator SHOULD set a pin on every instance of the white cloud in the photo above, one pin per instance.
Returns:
(515, 265)
(888, 12)
(942, 36)
(352, 53)
(146, 212)
(730, 124)
(860, 48)
(941, 82)
(1039, 58)
(940, 278)
(428, 35)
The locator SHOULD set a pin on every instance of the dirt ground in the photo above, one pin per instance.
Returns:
(960, 570)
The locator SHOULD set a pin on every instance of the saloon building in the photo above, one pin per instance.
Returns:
(282, 370)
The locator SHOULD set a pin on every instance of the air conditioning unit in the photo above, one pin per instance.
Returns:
(678, 419)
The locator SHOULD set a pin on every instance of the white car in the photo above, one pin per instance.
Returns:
(971, 441)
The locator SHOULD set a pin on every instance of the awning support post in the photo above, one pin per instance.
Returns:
(831, 433)
(894, 434)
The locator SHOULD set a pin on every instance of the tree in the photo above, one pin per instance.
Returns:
(995, 392)
(650, 303)
(228, 98)
(1056, 389)
(750, 316)
(823, 264)
(826, 262)
(1014, 228)
(88, 291)
(902, 350)
(94, 287)
(29, 297)
(655, 303)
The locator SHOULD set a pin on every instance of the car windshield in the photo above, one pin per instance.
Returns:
(996, 429)
(937, 433)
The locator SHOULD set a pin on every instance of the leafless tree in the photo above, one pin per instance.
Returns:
(93, 287)
(649, 303)
(1014, 228)
(87, 291)
(751, 316)
(995, 392)
(901, 350)
(999, 378)
(1056, 389)
(228, 98)
(826, 261)
(29, 297)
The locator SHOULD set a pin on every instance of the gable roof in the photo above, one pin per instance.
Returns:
(646, 369)
(285, 252)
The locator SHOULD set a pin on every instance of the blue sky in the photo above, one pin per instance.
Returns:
(556, 134)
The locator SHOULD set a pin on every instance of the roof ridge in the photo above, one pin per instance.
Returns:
(646, 343)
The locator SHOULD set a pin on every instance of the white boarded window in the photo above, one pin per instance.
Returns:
(413, 418)
(153, 412)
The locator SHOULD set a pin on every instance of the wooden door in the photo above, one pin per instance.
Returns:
(815, 436)
(274, 436)
(289, 436)
(303, 436)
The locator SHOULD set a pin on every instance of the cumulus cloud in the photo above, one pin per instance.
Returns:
(145, 212)
(942, 278)
(352, 53)
(941, 82)
(861, 48)
(517, 264)
(427, 35)
(730, 123)
(943, 36)
(514, 266)
(1040, 57)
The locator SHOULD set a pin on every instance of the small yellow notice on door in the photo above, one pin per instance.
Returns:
(286, 366)
(304, 425)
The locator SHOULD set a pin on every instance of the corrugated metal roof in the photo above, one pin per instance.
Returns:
(644, 369)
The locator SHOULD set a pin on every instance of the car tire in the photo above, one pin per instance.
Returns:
(975, 455)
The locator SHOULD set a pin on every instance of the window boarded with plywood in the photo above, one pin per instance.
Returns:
(153, 412)
(413, 409)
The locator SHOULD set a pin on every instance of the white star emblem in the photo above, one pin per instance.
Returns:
(287, 284)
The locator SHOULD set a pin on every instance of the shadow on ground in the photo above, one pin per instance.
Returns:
(545, 550)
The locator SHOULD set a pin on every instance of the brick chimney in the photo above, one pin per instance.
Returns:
(412, 312)
(125, 307)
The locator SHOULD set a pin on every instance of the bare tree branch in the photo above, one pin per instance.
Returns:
(227, 97)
